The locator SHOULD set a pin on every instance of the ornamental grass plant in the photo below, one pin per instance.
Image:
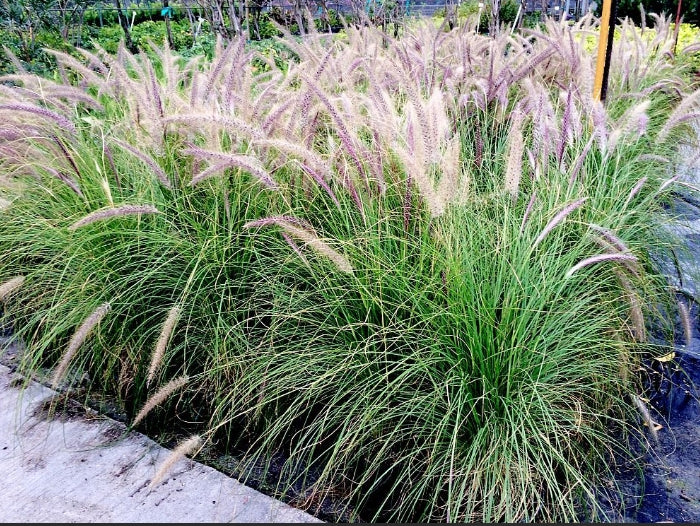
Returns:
(417, 270)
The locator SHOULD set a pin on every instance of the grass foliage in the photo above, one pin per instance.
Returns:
(417, 270)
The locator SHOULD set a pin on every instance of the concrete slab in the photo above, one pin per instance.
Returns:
(84, 470)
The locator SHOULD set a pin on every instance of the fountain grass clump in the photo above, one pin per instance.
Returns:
(416, 270)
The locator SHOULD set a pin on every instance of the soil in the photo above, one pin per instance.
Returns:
(671, 467)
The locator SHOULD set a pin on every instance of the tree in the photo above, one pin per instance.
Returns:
(224, 16)
(690, 10)
(124, 23)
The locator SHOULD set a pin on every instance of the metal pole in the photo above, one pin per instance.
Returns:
(478, 21)
(517, 16)
(168, 10)
(607, 29)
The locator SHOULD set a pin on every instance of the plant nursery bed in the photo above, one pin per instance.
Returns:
(411, 278)
(668, 488)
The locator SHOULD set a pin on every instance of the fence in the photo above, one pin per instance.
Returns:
(411, 6)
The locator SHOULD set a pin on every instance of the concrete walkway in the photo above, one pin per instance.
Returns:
(80, 469)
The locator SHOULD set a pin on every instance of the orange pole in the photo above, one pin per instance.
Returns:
(604, 49)
(602, 45)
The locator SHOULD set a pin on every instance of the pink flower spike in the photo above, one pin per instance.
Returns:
(598, 259)
(558, 219)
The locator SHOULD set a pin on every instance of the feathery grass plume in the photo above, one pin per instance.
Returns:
(600, 129)
(110, 159)
(452, 164)
(184, 448)
(209, 172)
(636, 315)
(11, 285)
(679, 114)
(449, 188)
(311, 163)
(194, 87)
(307, 236)
(70, 183)
(685, 321)
(320, 180)
(229, 123)
(693, 187)
(75, 95)
(216, 69)
(653, 157)
(646, 415)
(610, 237)
(159, 397)
(62, 121)
(479, 146)
(531, 64)
(119, 211)
(93, 60)
(578, 164)
(16, 63)
(304, 102)
(154, 94)
(148, 160)
(313, 159)
(634, 119)
(413, 152)
(666, 183)
(612, 247)
(77, 340)
(420, 176)
(544, 129)
(558, 219)
(341, 128)
(262, 97)
(514, 159)
(15, 134)
(691, 48)
(229, 160)
(528, 210)
(440, 123)
(89, 76)
(635, 190)
(566, 134)
(66, 154)
(422, 121)
(598, 259)
(274, 115)
(161, 344)
(295, 248)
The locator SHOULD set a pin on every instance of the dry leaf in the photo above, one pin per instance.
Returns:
(666, 357)
(655, 426)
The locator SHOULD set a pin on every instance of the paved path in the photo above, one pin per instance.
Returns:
(80, 469)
